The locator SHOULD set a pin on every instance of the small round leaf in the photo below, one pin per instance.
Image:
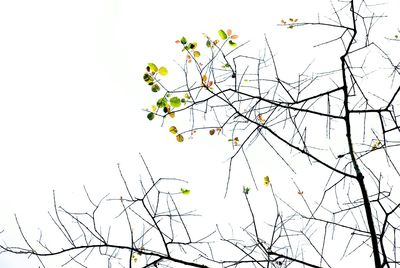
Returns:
(232, 44)
(222, 34)
(175, 102)
(173, 130)
(153, 67)
(183, 41)
(155, 88)
(163, 71)
(150, 116)
(179, 138)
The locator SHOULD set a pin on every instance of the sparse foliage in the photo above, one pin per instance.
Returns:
(341, 122)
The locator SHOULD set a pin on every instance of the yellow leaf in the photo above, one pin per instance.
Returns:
(234, 36)
(179, 138)
(163, 71)
(212, 132)
(229, 32)
(153, 67)
(154, 108)
(266, 180)
(173, 130)
(196, 54)
(172, 115)
(204, 77)
(236, 141)
(185, 191)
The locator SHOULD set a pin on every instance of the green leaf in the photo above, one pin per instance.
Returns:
(208, 43)
(185, 191)
(163, 71)
(222, 34)
(232, 44)
(150, 116)
(183, 41)
(266, 181)
(173, 130)
(148, 78)
(175, 102)
(153, 67)
(155, 88)
(246, 190)
(179, 138)
(162, 103)
(193, 45)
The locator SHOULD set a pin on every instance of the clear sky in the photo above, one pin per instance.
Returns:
(71, 95)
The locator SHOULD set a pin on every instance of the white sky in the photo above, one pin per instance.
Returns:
(71, 94)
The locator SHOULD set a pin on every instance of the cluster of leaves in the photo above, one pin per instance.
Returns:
(227, 36)
(167, 103)
(150, 76)
(190, 48)
(290, 22)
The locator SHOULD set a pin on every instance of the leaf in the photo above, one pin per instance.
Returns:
(196, 54)
(183, 41)
(179, 138)
(222, 34)
(229, 32)
(212, 132)
(154, 108)
(232, 44)
(246, 190)
(193, 45)
(150, 116)
(163, 71)
(155, 88)
(375, 145)
(208, 43)
(153, 67)
(187, 96)
(175, 102)
(148, 78)
(185, 191)
(266, 181)
(172, 115)
(204, 77)
(162, 103)
(173, 130)
(236, 141)
(234, 36)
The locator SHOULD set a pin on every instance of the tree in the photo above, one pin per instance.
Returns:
(334, 120)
